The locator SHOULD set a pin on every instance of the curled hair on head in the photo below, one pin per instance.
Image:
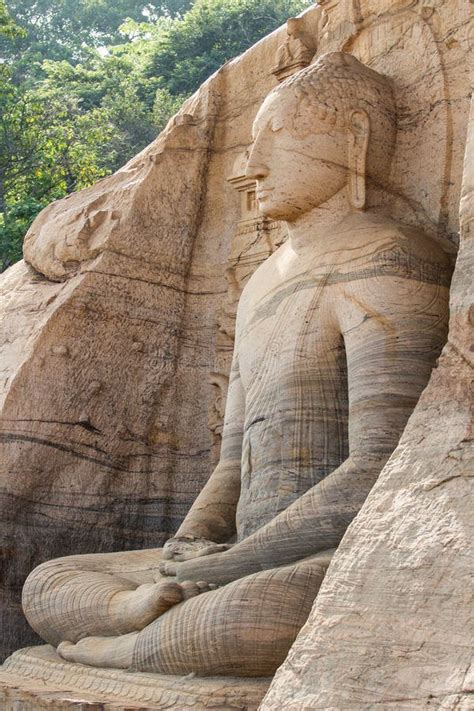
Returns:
(335, 86)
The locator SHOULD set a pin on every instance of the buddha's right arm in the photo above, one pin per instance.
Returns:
(212, 516)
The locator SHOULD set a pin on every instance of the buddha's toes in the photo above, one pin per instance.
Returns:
(191, 589)
(134, 609)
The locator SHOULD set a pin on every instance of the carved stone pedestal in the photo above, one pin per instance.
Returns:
(37, 678)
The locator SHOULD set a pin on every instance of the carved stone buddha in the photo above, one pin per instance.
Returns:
(336, 336)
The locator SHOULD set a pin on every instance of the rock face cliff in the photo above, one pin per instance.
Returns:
(123, 310)
(108, 334)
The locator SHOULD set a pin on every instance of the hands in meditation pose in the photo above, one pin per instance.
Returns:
(336, 335)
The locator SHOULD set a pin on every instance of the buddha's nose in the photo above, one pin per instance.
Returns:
(255, 168)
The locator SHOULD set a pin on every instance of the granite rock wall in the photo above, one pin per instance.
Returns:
(107, 340)
(111, 328)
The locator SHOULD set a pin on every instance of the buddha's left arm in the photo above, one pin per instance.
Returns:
(393, 330)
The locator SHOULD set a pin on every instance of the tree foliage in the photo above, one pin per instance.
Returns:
(8, 27)
(66, 29)
(86, 84)
(48, 149)
(213, 31)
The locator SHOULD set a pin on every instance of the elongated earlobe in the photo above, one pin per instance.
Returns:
(358, 139)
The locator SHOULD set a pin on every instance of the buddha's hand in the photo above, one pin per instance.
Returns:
(168, 568)
(178, 590)
(217, 569)
(182, 548)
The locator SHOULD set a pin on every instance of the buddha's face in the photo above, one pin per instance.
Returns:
(298, 160)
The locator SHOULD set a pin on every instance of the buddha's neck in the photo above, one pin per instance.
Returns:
(318, 229)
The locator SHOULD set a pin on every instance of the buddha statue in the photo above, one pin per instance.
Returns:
(336, 335)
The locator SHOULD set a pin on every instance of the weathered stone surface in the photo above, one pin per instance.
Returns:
(431, 101)
(336, 336)
(392, 626)
(108, 338)
(37, 678)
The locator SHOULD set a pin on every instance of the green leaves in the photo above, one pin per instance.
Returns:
(12, 230)
(65, 29)
(87, 84)
(8, 28)
(48, 149)
(212, 32)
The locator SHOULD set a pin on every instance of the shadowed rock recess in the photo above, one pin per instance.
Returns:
(237, 346)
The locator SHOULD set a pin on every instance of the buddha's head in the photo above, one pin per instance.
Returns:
(329, 126)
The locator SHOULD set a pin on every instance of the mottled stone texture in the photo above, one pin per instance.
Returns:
(37, 678)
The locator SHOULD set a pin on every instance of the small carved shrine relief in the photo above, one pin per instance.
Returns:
(255, 239)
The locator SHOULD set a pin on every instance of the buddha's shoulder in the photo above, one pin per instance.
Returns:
(265, 274)
(397, 238)
(384, 247)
